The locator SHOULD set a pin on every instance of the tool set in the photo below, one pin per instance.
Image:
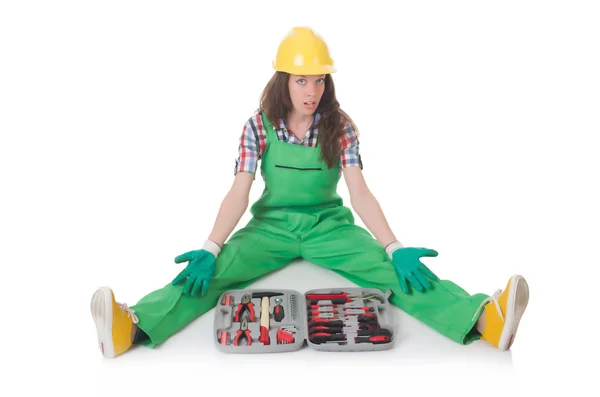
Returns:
(344, 319)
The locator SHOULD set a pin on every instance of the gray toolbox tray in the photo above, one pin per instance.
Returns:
(244, 314)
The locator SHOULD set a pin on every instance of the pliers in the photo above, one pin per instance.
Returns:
(246, 306)
(243, 332)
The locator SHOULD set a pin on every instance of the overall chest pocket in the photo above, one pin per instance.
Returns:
(299, 168)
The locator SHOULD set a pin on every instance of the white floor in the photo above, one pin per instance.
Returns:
(421, 360)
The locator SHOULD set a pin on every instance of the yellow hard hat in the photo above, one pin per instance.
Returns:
(303, 52)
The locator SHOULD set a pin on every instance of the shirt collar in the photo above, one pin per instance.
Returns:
(311, 129)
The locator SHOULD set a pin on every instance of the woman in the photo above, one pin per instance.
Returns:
(305, 143)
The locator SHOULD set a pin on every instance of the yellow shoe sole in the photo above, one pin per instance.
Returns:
(518, 299)
(102, 312)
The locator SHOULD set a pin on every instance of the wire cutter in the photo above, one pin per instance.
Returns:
(246, 306)
(243, 332)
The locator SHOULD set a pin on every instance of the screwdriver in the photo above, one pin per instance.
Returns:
(344, 313)
(335, 301)
(327, 296)
(373, 339)
(347, 328)
(359, 332)
(344, 296)
(322, 337)
(339, 322)
(345, 316)
(340, 309)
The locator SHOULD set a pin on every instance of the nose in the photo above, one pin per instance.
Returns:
(311, 89)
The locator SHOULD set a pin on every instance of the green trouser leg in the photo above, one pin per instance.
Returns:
(349, 250)
(252, 252)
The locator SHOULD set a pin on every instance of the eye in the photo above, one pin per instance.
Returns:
(321, 81)
(300, 81)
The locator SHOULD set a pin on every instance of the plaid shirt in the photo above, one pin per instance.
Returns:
(254, 141)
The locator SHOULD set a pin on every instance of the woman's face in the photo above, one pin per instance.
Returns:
(306, 92)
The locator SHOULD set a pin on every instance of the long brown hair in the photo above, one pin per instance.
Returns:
(275, 103)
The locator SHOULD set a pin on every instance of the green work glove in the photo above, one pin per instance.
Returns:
(409, 268)
(199, 270)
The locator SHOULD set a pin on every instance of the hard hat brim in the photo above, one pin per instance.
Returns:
(307, 70)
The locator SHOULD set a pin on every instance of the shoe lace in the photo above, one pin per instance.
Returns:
(493, 298)
(130, 312)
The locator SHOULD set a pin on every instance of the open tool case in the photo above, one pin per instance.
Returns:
(273, 321)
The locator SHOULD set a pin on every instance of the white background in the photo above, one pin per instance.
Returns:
(120, 123)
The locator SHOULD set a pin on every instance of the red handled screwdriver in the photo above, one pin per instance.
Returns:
(339, 322)
(329, 296)
(378, 339)
(345, 316)
(348, 326)
(359, 332)
(337, 301)
(338, 309)
(322, 337)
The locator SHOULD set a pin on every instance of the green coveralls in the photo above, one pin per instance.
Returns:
(298, 215)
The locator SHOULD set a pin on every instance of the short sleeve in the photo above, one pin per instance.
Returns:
(350, 156)
(251, 147)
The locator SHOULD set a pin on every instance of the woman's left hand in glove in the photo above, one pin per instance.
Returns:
(411, 270)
